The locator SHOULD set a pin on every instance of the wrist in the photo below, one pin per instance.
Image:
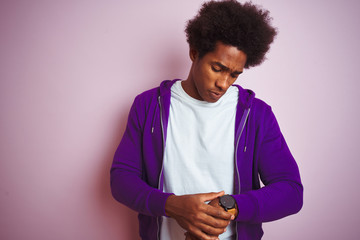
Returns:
(228, 203)
(236, 209)
(168, 204)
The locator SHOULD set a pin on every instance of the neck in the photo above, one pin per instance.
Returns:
(189, 87)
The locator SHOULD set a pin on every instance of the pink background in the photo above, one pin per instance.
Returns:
(69, 71)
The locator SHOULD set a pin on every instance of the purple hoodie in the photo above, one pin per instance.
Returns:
(260, 151)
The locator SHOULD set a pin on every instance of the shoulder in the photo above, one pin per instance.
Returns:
(154, 93)
(261, 113)
(248, 100)
(143, 102)
(148, 95)
(149, 99)
(260, 105)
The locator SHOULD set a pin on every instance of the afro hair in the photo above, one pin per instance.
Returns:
(245, 26)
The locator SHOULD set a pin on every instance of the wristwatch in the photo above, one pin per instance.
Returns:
(228, 203)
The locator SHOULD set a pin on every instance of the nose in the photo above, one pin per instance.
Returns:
(222, 82)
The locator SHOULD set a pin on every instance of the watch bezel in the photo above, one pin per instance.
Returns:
(227, 202)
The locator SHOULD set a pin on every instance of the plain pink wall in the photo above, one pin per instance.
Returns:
(69, 71)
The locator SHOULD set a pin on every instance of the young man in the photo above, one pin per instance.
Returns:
(193, 151)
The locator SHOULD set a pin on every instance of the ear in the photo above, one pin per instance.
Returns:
(193, 53)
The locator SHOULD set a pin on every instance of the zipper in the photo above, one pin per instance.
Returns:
(162, 164)
(243, 121)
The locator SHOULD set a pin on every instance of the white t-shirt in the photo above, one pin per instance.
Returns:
(199, 152)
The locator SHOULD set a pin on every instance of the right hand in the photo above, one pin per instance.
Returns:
(201, 220)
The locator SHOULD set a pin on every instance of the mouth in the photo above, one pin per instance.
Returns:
(215, 95)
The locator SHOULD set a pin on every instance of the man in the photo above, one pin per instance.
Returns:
(193, 151)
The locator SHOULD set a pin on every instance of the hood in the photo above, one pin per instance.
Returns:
(165, 86)
(246, 96)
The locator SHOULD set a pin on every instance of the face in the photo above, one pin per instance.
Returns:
(211, 75)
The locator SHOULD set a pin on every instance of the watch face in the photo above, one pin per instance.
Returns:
(227, 201)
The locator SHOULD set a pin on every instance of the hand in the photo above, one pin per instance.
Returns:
(198, 218)
(214, 203)
(188, 236)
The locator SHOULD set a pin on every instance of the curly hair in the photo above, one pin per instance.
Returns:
(245, 26)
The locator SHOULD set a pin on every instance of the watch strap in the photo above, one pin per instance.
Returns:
(232, 211)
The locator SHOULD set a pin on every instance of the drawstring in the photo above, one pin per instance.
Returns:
(247, 129)
(154, 118)
(246, 136)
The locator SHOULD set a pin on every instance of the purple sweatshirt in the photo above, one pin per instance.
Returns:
(260, 152)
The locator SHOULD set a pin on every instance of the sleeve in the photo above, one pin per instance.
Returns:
(127, 185)
(282, 194)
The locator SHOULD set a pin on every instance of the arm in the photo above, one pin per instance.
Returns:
(283, 191)
(127, 185)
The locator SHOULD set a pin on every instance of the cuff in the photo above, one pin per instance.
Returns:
(156, 202)
(246, 207)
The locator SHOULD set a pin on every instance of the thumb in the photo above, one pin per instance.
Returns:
(211, 196)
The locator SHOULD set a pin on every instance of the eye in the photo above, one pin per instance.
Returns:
(216, 69)
(234, 75)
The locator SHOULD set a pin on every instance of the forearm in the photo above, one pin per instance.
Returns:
(132, 191)
(272, 202)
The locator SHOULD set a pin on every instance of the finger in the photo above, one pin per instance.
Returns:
(190, 237)
(210, 225)
(197, 234)
(211, 230)
(204, 197)
(218, 213)
(215, 223)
